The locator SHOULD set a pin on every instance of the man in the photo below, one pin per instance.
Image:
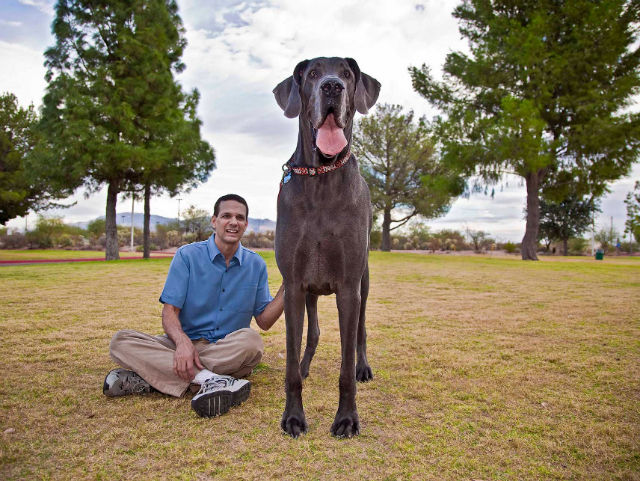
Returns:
(212, 290)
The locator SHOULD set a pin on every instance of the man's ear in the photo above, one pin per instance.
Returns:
(367, 88)
(287, 92)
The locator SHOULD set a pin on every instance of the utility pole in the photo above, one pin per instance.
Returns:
(132, 201)
(593, 234)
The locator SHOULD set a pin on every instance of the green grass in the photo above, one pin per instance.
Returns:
(485, 369)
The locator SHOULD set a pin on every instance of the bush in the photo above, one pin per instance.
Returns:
(14, 240)
(578, 246)
(510, 248)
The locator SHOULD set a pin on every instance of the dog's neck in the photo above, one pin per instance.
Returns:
(308, 155)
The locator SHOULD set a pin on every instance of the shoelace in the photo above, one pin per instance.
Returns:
(216, 383)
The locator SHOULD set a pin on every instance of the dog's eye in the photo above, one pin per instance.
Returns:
(313, 74)
(347, 74)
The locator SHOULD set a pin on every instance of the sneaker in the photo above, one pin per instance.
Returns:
(120, 382)
(218, 394)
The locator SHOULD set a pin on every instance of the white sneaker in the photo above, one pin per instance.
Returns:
(218, 394)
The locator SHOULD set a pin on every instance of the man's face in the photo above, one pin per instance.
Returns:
(231, 222)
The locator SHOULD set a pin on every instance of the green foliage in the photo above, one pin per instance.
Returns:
(608, 239)
(21, 190)
(510, 248)
(632, 224)
(480, 240)
(112, 112)
(567, 218)
(198, 222)
(404, 175)
(541, 94)
(578, 246)
(97, 227)
(53, 232)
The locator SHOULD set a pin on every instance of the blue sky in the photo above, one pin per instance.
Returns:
(239, 50)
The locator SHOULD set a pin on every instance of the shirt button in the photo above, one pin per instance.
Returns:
(221, 308)
(223, 290)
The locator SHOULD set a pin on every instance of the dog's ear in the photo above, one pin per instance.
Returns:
(367, 88)
(287, 92)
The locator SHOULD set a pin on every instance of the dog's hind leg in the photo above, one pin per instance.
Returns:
(313, 334)
(363, 370)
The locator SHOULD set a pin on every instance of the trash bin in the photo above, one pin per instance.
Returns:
(599, 254)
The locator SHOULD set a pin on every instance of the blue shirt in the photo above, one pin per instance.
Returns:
(215, 300)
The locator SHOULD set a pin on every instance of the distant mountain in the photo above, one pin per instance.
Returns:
(124, 218)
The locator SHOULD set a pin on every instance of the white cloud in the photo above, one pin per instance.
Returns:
(42, 5)
(9, 23)
(240, 49)
(25, 75)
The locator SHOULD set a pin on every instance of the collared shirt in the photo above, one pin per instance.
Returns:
(215, 300)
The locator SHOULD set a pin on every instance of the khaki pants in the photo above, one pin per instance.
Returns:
(152, 356)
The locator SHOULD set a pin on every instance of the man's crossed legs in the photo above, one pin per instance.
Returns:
(148, 363)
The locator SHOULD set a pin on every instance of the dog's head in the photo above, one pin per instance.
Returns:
(325, 93)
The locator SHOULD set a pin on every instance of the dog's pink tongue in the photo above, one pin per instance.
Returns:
(330, 139)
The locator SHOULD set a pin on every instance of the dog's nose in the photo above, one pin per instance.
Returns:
(332, 87)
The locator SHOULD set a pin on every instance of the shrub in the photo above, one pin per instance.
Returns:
(510, 248)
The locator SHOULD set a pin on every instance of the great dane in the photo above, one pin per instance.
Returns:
(323, 226)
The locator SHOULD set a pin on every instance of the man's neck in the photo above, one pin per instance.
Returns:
(227, 250)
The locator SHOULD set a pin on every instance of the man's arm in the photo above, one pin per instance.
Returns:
(272, 312)
(186, 355)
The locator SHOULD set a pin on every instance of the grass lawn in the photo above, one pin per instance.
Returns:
(484, 369)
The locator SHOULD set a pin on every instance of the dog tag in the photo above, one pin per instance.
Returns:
(286, 178)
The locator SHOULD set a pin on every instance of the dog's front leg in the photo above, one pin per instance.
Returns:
(346, 423)
(293, 420)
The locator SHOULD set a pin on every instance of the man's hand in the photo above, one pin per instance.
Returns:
(186, 355)
(184, 359)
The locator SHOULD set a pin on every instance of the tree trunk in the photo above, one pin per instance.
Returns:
(565, 247)
(112, 250)
(147, 216)
(530, 239)
(386, 231)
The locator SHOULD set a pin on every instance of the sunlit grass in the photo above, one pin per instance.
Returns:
(485, 368)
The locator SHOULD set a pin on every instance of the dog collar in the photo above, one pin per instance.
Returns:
(313, 171)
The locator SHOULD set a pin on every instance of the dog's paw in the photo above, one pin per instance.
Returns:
(346, 426)
(363, 373)
(294, 425)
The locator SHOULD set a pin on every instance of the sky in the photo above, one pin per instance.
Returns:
(238, 51)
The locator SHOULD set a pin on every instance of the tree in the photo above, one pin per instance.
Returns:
(570, 217)
(632, 224)
(398, 162)
(608, 238)
(20, 190)
(198, 222)
(112, 112)
(541, 94)
(479, 239)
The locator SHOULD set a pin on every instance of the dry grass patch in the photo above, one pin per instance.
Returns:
(484, 369)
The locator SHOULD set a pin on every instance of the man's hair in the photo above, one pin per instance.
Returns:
(236, 197)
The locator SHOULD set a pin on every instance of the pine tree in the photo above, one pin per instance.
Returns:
(112, 112)
(542, 94)
(20, 189)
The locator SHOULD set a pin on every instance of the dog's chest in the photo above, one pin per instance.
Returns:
(322, 232)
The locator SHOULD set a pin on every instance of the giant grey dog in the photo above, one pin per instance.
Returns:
(323, 226)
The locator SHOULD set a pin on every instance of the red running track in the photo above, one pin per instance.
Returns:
(84, 259)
